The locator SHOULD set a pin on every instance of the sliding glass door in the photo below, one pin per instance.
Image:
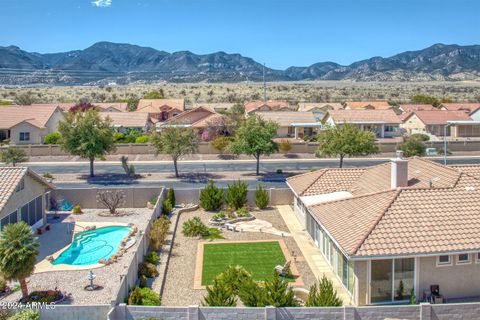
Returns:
(391, 280)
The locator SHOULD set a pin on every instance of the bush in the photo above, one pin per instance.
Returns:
(119, 137)
(142, 139)
(220, 143)
(219, 216)
(144, 297)
(261, 197)
(323, 295)
(166, 207)
(194, 227)
(412, 147)
(171, 196)
(278, 294)
(143, 283)
(211, 198)
(420, 137)
(3, 283)
(147, 269)
(285, 146)
(77, 209)
(26, 314)
(52, 138)
(243, 212)
(233, 277)
(237, 194)
(152, 257)
(251, 294)
(219, 295)
(153, 200)
(159, 232)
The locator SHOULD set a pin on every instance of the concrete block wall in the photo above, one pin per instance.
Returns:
(75, 312)
(381, 312)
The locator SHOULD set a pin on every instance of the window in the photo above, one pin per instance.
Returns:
(444, 261)
(11, 218)
(390, 129)
(24, 136)
(20, 186)
(477, 259)
(391, 280)
(463, 258)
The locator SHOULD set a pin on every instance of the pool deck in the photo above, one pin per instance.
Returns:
(78, 227)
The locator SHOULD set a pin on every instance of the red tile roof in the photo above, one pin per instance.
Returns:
(440, 117)
(363, 116)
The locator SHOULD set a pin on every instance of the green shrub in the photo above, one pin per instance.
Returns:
(142, 139)
(412, 147)
(26, 314)
(243, 212)
(220, 143)
(211, 198)
(213, 233)
(219, 216)
(278, 294)
(251, 294)
(219, 295)
(119, 137)
(420, 137)
(237, 194)
(234, 276)
(152, 257)
(261, 197)
(171, 196)
(143, 283)
(166, 207)
(158, 232)
(144, 297)
(153, 200)
(194, 227)
(323, 295)
(3, 283)
(147, 269)
(77, 209)
(52, 138)
(285, 146)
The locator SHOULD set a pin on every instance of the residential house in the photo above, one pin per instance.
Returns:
(367, 105)
(161, 109)
(200, 119)
(407, 109)
(22, 196)
(293, 124)
(270, 105)
(28, 124)
(124, 121)
(102, 106)
(319, 107)
(218, 107)
(434, 123)
(472, 109)
(384, 123)
(394, 229)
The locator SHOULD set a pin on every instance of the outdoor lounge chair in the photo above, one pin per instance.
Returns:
(283, 270)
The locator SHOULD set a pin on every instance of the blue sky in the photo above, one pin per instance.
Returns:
(280, 33)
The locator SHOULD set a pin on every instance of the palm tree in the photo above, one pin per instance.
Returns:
(18, 253)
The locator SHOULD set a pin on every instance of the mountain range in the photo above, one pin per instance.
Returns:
(107, 62)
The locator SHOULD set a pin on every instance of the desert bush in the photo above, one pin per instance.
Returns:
(211, 198)
(52, 138)
(142, 281)
(237, 194)
(119, 137)
(144, 297)
(142, 139)
(166, 207)
(243, 212)
(412, 147)
(233, 277)
(278, 294)
(261, 197)
(26, 314)
(147, 269)
(194, 227)
(77, 209)
(159, 232)
(285, 146)
(112, 199)
(420, 136)
(219, 295)
(152, 257)
(3, 283)
(220, 143)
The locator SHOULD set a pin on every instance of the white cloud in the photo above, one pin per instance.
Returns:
(102, 3)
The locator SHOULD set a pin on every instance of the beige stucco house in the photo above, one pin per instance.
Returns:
(394, 229)
(161, 110)
(28, 124)
(124, 121)
(384, 123)
(269, 105)
(22, 196)
(293, 124)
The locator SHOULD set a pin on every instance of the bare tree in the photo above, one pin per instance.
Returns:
(112, 199)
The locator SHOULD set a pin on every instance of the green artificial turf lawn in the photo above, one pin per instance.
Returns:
(258, 258)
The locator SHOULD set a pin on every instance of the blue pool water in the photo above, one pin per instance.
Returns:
(90, 246)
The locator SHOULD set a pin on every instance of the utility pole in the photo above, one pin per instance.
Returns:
(264, 86)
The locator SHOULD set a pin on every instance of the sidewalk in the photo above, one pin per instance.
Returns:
(312, 254)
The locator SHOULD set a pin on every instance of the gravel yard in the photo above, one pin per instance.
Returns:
(73, 282)
(178, 290)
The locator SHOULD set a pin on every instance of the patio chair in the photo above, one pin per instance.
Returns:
(437, 298)
(283, 270)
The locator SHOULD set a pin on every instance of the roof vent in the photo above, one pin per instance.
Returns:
(470, 188)
(430, 183)
(399, 171)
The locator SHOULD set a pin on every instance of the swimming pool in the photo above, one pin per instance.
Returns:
(90, 246)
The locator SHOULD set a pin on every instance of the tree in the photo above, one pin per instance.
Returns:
(219, 295)
(412, 146)
(255, 138)
(344, 140)
(424, 99)
(13, 155)
(111, 199)
(176, 142)
(82, 107)
(211, 198)
(236, 196)
(261, 197)
(18, 253)
(154, 94)
(251, 294)
(87, 134)
(278, 294)
(323, 295)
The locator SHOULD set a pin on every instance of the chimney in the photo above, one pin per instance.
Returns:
(399, 171)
